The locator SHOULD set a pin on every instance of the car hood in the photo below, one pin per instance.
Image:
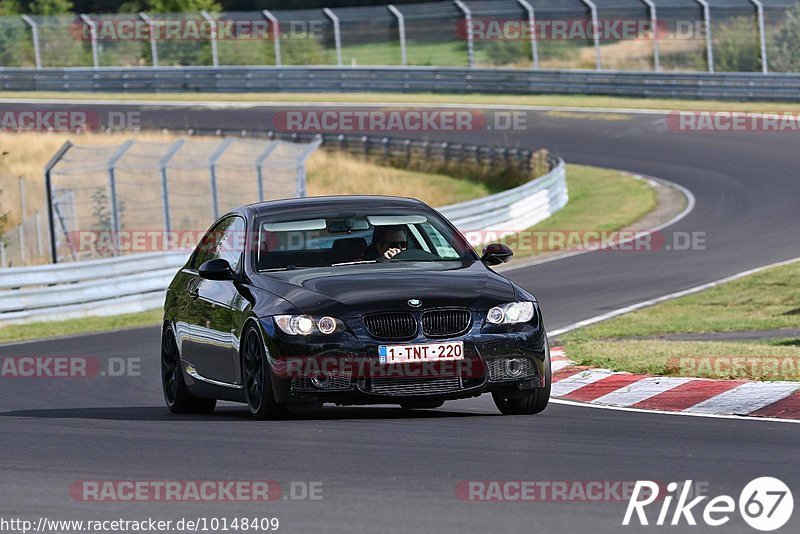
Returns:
(358, 289)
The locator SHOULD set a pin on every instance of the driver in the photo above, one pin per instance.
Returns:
(387, 242)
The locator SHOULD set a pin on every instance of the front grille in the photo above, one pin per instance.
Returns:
(415, 386)
(391, 325)
(446, 322)
(498, 369)
(340, 381)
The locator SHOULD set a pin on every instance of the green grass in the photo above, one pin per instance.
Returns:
(24, 332)
(599, 200)
(762, 301)
(600, 102)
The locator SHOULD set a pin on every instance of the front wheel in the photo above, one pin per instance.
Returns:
(529, 402)
(256, 378)
(176, 394)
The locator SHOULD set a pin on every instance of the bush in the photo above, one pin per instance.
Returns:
(784, 53)
(736, 46)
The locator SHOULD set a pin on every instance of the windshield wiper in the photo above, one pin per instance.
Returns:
(353, 262)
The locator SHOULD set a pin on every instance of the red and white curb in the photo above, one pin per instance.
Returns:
(692, 396)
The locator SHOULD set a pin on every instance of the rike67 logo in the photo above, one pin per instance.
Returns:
(765, 504)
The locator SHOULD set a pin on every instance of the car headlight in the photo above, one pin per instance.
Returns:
(511, 313)
(303, 325)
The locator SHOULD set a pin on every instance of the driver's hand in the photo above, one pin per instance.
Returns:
(391, 253)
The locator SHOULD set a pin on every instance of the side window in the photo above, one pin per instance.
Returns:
(223, 240)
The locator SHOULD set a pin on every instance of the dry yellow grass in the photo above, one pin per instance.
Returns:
(328, 174)
(333, 173)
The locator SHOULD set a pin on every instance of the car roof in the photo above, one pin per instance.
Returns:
(304, 205)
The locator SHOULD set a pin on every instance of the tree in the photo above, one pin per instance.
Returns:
(50, 7)
(784, 55)
(182, 6)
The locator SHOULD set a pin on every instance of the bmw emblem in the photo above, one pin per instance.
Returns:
(415, 303)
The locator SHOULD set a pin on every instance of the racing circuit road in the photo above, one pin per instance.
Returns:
(386, 471)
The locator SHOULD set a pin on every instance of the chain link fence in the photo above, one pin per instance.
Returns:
(151, 196)
(25, 242)
(731, 35)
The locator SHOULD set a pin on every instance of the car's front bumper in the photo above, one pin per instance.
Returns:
(358, 378)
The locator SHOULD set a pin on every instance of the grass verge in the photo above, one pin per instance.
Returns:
(599, 200)
(762, 301)
(43, 330)
(582, 101)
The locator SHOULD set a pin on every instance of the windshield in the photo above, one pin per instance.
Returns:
(347, 239)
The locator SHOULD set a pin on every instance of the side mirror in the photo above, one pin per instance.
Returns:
(496, 253)
(218, 269)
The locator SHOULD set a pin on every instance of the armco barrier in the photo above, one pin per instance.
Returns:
(134, 283)
(722, 86)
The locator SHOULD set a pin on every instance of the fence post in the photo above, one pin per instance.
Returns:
(212, 167)
(93, 34)
(762, 35)
(173, 149)
(276, 35)
(337, 34)
(23, 203)
(213, 33)
(401, 30)
(301, 165)
(262, 157)
(532, 30)
(21, 238)
(470, 44)
(654, 24)
(48, 185)
(112, 185)
(37, 216)
(598, 62)
(37, 53)
(709, 40)
(153, 38)
(2, 253)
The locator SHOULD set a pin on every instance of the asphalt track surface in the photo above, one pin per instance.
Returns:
(383, 470)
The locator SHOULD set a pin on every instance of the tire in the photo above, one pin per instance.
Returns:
(176, 394)
(421, 405)
(257, 378)
(531, 402)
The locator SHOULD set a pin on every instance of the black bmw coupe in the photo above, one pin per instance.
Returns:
(289, 304)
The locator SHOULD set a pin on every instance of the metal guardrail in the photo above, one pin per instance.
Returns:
(136, 283)
(723, 86)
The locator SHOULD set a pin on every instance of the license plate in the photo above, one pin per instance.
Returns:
(422, 352)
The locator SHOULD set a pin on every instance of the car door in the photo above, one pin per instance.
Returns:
(210, 344)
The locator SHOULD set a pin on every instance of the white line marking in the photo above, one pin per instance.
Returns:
(662, 412)
(641, 390)
(561, 364)
(671, 296)
(576, 381)
(746, 398)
